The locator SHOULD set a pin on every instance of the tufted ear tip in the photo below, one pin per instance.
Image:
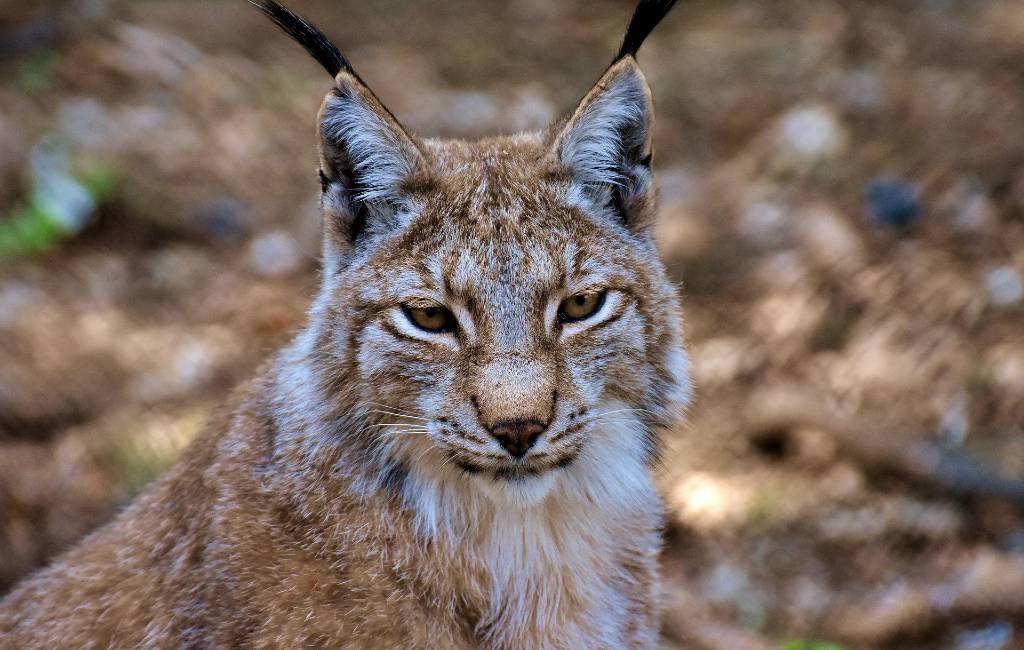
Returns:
(314, 41)
(646, 17)
(606, 143)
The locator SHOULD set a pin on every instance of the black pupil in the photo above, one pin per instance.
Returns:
(430, 312)
(581, 300)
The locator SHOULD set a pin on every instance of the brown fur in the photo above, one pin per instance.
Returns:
(353, 496)
(228, 551)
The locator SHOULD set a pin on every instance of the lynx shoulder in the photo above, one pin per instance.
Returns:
(456, 451)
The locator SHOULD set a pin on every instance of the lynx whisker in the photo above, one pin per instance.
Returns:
(397, 425)
(391, 407)
(398, 415)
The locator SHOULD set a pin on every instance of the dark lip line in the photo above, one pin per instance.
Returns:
(570, 429)
(514, 473)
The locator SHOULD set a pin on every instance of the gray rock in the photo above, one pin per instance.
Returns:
(1004, 285)
(274, 253)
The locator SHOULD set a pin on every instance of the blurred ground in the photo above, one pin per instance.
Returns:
(843, 194)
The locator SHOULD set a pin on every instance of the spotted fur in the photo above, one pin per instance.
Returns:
(355, 494)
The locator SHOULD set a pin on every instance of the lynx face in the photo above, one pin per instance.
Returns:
(495, 311)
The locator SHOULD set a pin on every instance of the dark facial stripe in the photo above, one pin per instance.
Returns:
(394, 476)
(569, 430)
(614, 317)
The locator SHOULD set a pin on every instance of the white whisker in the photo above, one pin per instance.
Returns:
(398, 415)
(396, 425)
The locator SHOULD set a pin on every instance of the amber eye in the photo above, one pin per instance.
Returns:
(430, 316)
(581, 306)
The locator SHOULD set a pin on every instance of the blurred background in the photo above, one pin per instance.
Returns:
(842, 186)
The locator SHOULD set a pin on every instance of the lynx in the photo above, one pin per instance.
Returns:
(457, 450)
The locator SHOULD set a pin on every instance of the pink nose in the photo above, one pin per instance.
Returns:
(517, 436)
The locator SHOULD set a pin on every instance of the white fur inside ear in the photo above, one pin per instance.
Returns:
(597, 140)
(378, 157)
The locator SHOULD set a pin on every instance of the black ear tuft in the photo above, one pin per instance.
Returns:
(305, 34)
(646, 17)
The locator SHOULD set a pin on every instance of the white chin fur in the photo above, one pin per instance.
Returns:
(521, 493)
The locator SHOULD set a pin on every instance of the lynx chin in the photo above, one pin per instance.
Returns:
(456, 451)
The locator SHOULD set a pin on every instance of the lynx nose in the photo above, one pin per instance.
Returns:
(517, 436)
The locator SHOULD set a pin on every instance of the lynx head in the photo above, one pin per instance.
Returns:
(493, 314)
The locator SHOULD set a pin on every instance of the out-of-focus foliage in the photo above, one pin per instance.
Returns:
(60, 205)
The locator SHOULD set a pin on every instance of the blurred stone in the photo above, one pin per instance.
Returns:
(995, 636)
(146, 54)
(531, 110)
(976, 214)
(828, 239)
(15, 298)
(192, 364)
(1007, 368)
(274, 254)
(852, 526)
(86, 122)
(57, 193)
(807, 599)
(226, 218)
(765, 224)
(782, 270)
(897, 516)
(812, 133)
(863, 89)
(953, 425)
(927, 520)
(844, 481)
(178, 268)
(462, 110)
(186, 369)
(677, 184)
(729, 584)
(970, 209)
(893, 202)
(1004, 285)
(170, 364)
(726, 583)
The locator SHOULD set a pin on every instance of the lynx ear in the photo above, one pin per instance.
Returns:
(367, 160)
(606, 144)
(366, 157)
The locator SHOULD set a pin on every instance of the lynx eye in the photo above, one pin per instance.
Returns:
(430, 316)
(581, 306)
